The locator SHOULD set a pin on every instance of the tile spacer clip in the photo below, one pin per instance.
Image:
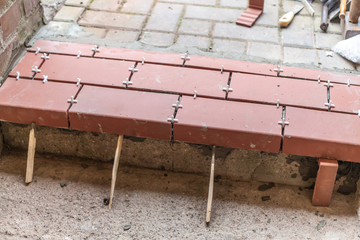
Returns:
(96, 49)
(72, 100)
(329, 105)
(127, 82)
(36, 70)
(348, 82)
(78, 82)
(278, 103)
(79, 54)
(45, 78)
(133, 69)
(328, 84)
(37, 51)
(45, 56)
(172, 119)
(143, 61)
(177, 105)
(359, 112)
(278, 70)
(318, 78)
(186, 56)
(283, 123)
(222, 69)
(17, 75)
(227, 89)
(195, 93)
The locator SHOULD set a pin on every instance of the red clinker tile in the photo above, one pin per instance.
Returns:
(231, 65)
(95, 71)
(289, 92)
(28, 101)
(26, 64)
(313, 74)
(228, 124)
(322, 134)
(345, 99)
(62, 48)
(138, 55)
(180, 80)
(249, 17)
(123, 112)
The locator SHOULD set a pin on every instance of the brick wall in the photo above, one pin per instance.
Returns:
(18, 20)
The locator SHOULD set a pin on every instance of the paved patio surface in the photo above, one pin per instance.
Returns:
(202, 27)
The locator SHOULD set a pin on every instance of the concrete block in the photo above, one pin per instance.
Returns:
(106, 5)
(197, 2)
(157, 39)
(164, 17)
(229, 46)
(300, 56)
(268, 51)
(331, 60)
(69, 14)
(137, 6)
(111, 20)
(192, 41)
(195, 27)
(327, 40)
(122, 36)
(255, 33)
(211, 13)
(77, 3)
(293, 37)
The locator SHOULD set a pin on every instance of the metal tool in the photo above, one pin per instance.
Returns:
(327, 7)
(286, 19)
(308, 7)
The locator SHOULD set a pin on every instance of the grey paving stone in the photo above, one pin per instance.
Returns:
(270, 16)
(137, 6)
(122, 36)
(107, 5)
(74, 30)
(193, 41)
(326, 40)
(300, 56)
(222, 45)
(198, 2)
(157, 39)
(298, 37)
(111, 20)
(264, 50)
(257, 33)
(69, 14)
(211, 13)
(300, 22)
(195, 27)
(234, 3)
(334, 61)
(78, 3)
(164, 17)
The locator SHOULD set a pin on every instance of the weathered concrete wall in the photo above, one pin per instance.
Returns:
(19, 19)
(235, 164)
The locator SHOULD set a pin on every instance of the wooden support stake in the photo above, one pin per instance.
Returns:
(31, 155)
(211, 187)
(115, 168)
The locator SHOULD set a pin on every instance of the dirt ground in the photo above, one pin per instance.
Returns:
(66, 201)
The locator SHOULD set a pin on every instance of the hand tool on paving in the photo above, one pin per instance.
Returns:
(328, 6)
(350, 25)
(286, 19)
(308, 7)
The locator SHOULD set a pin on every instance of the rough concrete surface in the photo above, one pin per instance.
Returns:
(157, 205)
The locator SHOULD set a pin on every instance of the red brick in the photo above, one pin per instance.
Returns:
(29, 5)
(10, 20)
